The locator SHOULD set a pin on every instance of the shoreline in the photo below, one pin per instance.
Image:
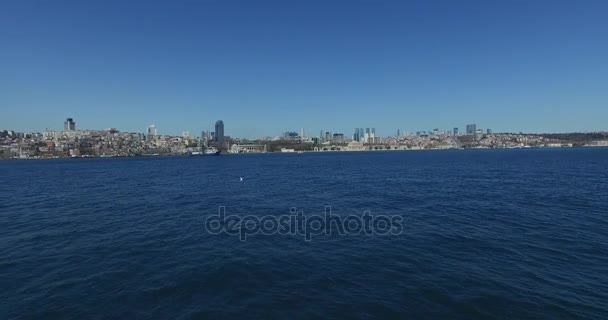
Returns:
(302, 152)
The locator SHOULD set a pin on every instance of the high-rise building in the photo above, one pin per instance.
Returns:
(219, 131)
(206, 135)
(69, 125)
(151, 131)
(291, 135)
(455, 132)
(338, 138)
(471, 129)
(489, 131)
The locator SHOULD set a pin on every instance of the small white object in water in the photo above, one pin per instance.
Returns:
(241, 179)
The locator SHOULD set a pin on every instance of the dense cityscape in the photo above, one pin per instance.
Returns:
(73, 142)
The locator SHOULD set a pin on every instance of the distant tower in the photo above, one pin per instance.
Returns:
(471, 129)
(219, 131)
(69, 125)
(455, 132)
(151, 131)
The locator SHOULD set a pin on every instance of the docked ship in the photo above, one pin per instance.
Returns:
(206, 150)
(210, 151)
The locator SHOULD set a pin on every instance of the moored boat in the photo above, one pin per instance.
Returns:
(211, 151)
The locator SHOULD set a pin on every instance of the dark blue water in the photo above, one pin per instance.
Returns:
(487, 234)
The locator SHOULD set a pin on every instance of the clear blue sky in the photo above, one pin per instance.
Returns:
(269, 66)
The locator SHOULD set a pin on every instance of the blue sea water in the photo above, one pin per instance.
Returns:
(486, 234)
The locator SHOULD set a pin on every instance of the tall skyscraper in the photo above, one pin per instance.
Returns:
(69, 125)
(455, 132)
(151, 131)
(219, 131)
(471, 129)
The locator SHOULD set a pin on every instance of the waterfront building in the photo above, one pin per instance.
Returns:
(355, 146)
(455, 132)
(598, 143)
(247, 148)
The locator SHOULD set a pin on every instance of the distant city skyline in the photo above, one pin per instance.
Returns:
(356, 133)
(267, 67)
